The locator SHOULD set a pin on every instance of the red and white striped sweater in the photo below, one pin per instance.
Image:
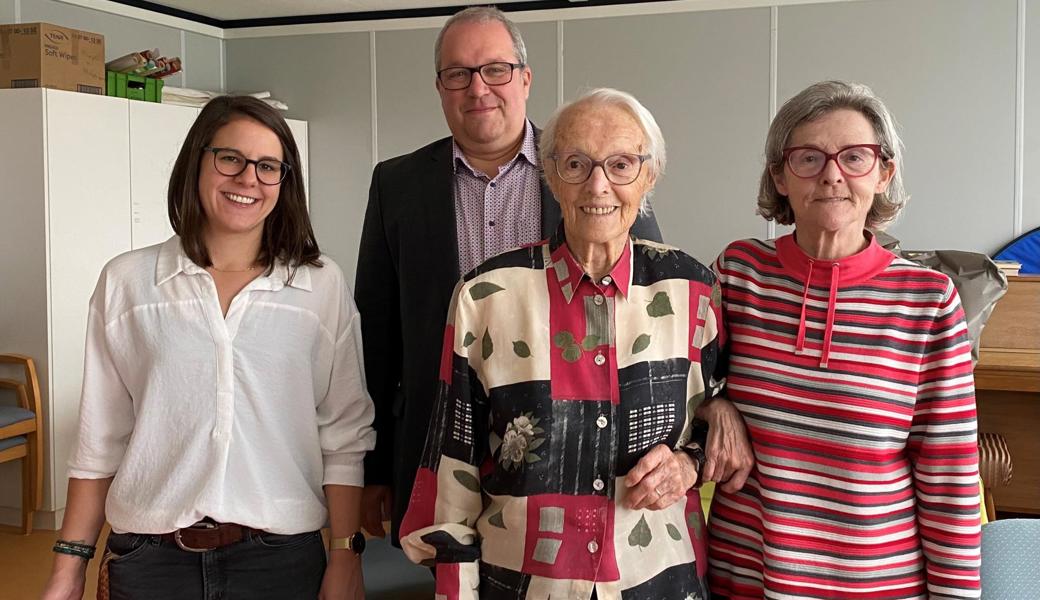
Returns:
(855, 380)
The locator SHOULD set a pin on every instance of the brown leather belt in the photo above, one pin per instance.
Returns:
(205, 536)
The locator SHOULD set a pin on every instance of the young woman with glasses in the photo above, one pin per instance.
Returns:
(224, 416)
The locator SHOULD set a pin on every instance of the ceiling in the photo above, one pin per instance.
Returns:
(238, 13)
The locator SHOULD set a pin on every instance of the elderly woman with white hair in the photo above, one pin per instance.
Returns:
(563, 451)
(852, 368)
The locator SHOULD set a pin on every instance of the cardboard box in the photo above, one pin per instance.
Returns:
(45, 55)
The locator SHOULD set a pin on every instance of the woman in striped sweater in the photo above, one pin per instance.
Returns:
(852, 370)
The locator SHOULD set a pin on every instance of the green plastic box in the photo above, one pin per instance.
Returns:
(121, 85)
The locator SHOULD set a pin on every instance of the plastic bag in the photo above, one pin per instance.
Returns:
(978, 281)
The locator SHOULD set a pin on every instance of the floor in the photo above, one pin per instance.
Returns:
(25, 563)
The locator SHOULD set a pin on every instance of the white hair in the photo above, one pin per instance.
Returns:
(655, 146)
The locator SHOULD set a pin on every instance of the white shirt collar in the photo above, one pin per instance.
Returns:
(173, 261)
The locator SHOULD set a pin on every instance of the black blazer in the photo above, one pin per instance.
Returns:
(408, 266)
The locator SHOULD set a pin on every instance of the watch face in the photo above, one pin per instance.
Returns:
(357, 542)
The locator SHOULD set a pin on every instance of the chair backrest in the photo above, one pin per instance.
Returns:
(31, 399)
(1010, 551)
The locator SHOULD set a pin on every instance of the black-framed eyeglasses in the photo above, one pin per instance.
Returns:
(620, 169)
(853, 161)
(231, 162)
(495, 73)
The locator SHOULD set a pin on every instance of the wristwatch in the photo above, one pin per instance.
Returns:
(355, 543)
(696, 453)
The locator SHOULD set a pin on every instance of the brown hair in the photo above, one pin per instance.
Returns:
(287, 236)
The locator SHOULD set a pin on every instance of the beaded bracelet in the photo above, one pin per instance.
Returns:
(84, 551)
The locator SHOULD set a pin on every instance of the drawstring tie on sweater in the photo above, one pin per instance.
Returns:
(832, 302)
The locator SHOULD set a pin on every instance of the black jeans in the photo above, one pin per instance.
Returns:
(264, 565)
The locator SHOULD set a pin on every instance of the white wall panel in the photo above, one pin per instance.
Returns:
(543, 57)
(946, 70)
(326, 80)
(705, 78)
(408, 107)
(202, 62)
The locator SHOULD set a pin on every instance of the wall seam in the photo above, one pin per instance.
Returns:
(1020, 118)
(559, 63)
(184, 56)
(223, 65)
(374, 97)
(774, 24)
(18, 11)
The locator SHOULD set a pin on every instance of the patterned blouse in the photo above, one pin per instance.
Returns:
(552, 387)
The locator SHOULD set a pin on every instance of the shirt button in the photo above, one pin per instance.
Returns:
(492, 184)
(598, 300)
(491, 223)
(599, 360)
(601, 422)
(593, 547)
(606, 280)
(597, 485)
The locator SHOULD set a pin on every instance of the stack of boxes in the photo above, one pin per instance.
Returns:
(41, 55)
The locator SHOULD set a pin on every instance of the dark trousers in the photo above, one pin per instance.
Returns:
(264, 565)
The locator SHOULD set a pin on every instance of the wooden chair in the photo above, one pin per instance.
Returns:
(995, 468)
(20, 435)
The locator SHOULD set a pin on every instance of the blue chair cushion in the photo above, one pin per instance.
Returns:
(12, 442)
(1009, 567)
(14, 414)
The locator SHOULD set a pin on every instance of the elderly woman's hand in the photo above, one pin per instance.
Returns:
(728, 457)
(659, 479)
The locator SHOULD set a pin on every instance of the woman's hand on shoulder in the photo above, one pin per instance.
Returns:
(728, 456)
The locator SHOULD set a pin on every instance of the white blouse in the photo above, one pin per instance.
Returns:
(241, 419)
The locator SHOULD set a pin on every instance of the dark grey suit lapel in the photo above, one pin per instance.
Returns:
(550, 207)
(440, 212)
(550, 212)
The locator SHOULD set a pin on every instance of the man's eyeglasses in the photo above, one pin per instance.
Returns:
(459, 78)
(620, 169)
(231, 162)
(853, 161)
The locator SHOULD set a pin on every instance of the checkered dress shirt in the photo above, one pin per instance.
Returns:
(493, 215)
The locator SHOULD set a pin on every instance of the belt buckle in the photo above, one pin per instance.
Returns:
(199, 525)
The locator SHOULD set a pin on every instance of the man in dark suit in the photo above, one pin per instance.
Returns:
(432, 216)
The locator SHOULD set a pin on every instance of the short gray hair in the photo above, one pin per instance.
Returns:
(482, 15)
(655, 146)
(812, 103)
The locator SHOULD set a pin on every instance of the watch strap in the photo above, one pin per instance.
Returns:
(355, 543)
